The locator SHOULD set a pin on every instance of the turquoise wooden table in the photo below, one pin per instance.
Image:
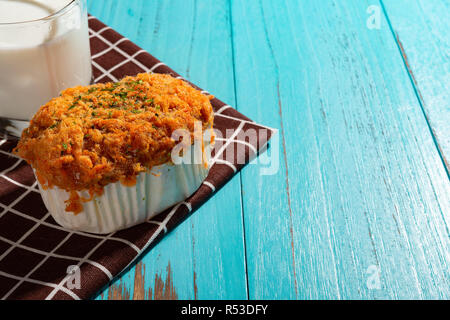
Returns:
(360, 93)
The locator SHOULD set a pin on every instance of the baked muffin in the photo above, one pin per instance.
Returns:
(102, 153)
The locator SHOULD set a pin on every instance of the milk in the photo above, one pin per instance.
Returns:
(39, 59)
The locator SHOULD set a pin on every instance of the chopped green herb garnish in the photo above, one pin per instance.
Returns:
(64, 146)
(136, 111)
(122, 95)
(54, 125)
(94, 114)
(75, 103)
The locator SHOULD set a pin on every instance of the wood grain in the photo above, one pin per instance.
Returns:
(422, 35)
(359, 171)
(161, 290)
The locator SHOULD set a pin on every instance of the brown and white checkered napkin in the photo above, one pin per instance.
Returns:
(35, 252)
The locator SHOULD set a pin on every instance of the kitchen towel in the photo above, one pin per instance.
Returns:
(37, 255)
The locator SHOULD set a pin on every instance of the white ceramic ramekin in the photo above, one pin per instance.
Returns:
(120, 206)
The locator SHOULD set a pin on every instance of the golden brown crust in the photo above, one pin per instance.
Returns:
(96, 135)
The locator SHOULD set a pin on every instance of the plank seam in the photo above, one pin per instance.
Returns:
(280, 112)
(233, 62)
(415, 86)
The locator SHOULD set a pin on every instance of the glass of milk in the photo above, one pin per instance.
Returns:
(44, 48)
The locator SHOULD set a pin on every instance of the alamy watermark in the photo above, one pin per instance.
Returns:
(74, 277)
(230, 147)
(374, 277)
(374, 20)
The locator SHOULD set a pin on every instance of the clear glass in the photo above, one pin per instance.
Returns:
(40, 57)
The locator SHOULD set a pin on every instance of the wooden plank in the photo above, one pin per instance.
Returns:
(204, 257)
(421, 32)
(361, 186)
